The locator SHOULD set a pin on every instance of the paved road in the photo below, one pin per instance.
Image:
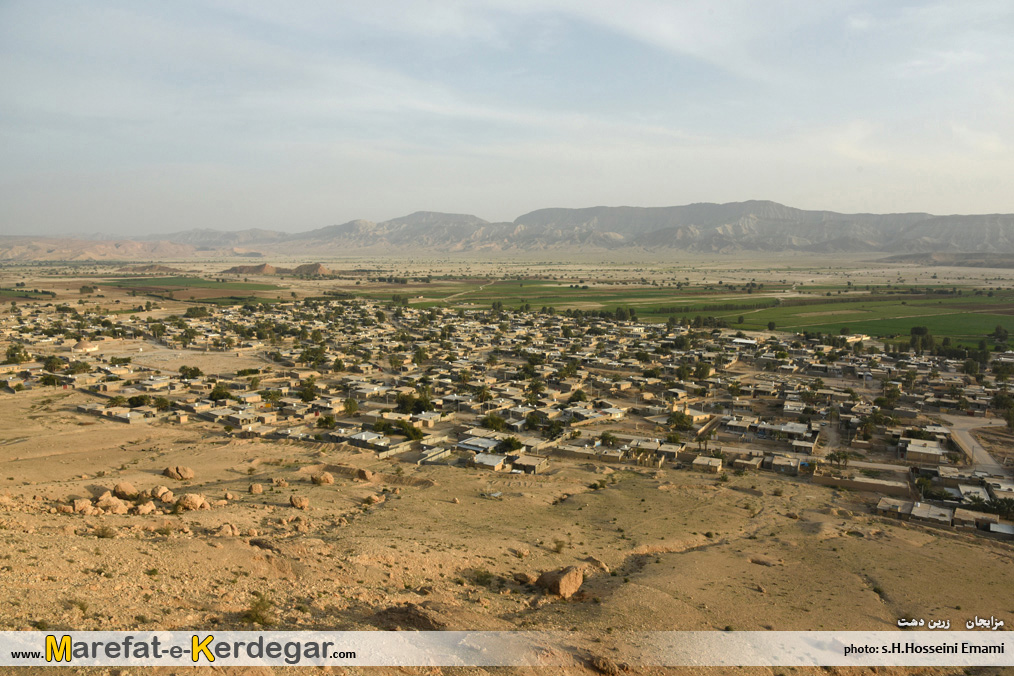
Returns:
(960, 428)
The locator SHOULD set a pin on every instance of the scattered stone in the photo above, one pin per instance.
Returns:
(525, 578)
(598, 563)
(179, 472)
(322, 478)
(564, 582)
(263, 544)
(229, 496)
(280, 483)
(83, 506)
(65, 509)
(375, 499)
(299, 502)
(763, 561)
(146, 508)
(604, 665)
(158, 491)
(256, 489)
(227, 531)
(455, 501)
(365, 475)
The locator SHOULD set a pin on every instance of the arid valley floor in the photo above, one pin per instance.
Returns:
(391, 544)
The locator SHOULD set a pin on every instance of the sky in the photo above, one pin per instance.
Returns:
(126, 117)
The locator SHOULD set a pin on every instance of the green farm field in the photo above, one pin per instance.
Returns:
(880, 311)
(170, 283)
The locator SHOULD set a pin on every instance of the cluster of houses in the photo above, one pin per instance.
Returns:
(506, 391)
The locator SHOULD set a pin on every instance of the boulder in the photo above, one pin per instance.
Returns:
(322, 479)
(158, 491)
(256, 489)
(191, 502)
(364, 474)
(179, 472)
(146, 508)
(125, 491)
(111, 504)
(280, 483)
(299, 502)
(564, 582)
(83, 506)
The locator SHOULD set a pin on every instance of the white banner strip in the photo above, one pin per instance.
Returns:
(505, 648)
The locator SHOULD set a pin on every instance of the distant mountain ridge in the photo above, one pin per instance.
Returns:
(760, 226)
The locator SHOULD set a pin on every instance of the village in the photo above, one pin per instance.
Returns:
(515, 392)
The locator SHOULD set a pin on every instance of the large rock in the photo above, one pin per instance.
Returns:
(125, 491)
(191, 502)
(83, 506)
(564, 582)
(299, 502)
(322, 478)
(179, 472)
(256, 489)
(158, 491)
(111, 504)
(146, 508)
(364, 474)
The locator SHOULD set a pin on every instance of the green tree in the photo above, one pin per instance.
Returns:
(493, 422)
(16, 354)
(508, 445)
(680, 421)
(220, 392)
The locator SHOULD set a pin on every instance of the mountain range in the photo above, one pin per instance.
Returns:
(704, 228)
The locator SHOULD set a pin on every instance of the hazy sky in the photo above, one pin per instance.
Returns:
(131, 117)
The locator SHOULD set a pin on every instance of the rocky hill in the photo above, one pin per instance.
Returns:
(307, 270)
(700, 228)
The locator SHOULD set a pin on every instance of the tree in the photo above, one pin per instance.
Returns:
(220, 392)
(326, 422)
(577, 396)
(493, 422)
(49, 380)
(608, 439)
(162, 404)
(118, 400)
(53, 364)
(16, 354)
(702, 370)
(190, 372)
(508, 445)
(771, 326)
(309, 391)
(79, 367)
(188, 336)
(351, 406)
(680, 421)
